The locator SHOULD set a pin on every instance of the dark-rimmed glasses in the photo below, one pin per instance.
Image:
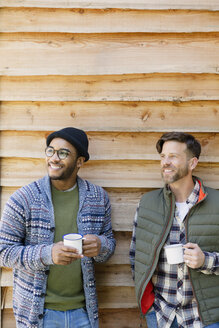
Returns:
(62, 153)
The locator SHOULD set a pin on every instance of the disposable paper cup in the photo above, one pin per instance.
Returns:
(73, 240)
(174, 253)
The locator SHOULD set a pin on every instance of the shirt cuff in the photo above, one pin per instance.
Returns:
(208, 263)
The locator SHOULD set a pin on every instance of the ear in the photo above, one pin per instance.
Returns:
(80, 161)
(193, 163)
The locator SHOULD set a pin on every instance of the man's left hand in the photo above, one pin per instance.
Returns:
(91, 245)
(193, 256)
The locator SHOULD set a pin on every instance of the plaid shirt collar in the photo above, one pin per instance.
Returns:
(193, 197)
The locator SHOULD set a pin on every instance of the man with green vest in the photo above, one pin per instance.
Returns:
(183, 294)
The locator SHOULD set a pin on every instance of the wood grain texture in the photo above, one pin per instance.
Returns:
(110, 145)
(128, 87)
(114, 297)
(121, 318)
(8, 320)
(140, 4)
(106, 21)
(110, 116)
(7, 277)
(125, 72)
(104, 54)
(119, 174)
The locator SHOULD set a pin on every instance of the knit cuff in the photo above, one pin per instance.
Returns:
(46, 255)
(104, 250)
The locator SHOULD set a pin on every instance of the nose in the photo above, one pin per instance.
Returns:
(55, 157)
(165, 161)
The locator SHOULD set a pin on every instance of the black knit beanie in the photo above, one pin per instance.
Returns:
(76, 137)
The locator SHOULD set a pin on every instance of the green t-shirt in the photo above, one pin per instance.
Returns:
(65, 283)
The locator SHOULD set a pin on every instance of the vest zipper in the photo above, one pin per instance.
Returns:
(140, 290)
(186, 231)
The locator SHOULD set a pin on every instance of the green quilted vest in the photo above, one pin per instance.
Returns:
(155, 217)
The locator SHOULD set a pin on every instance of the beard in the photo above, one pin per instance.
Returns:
(179, 174)
(66, 174)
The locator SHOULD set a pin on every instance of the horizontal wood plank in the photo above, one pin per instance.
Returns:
(117, 275)
(121, 318)
(123, 203)
(100, 54)
(114, 297)
(106, 275)
(110, 116)
(130, 4)
(8, 319)
(117, 318)
(109, 297)
(106, 21)
(6, 277)
(129, 87)
(120, 174)
(110, 145)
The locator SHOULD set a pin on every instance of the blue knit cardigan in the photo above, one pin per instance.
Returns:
(26, 239)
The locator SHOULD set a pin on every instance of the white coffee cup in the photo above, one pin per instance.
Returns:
(73, 240)
(174, 253)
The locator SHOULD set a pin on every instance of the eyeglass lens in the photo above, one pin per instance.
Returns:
(62, 153)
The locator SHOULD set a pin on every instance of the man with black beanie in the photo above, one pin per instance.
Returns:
(54, 284)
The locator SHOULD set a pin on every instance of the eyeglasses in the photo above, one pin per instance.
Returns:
(62, 153)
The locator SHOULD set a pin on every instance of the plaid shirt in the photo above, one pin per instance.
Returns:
(172, 287)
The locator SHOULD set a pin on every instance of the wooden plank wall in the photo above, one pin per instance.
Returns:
(125, 71)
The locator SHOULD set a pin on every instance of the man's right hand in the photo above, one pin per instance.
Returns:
(64, 255)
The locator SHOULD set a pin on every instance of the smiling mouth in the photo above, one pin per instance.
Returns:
(168, 170)
(55, 166)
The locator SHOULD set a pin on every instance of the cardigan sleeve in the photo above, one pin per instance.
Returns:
(107, 239)
(14, 251)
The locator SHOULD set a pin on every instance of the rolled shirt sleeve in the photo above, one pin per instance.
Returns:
(211, 264)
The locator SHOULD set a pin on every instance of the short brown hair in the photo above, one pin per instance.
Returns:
(193, 145)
